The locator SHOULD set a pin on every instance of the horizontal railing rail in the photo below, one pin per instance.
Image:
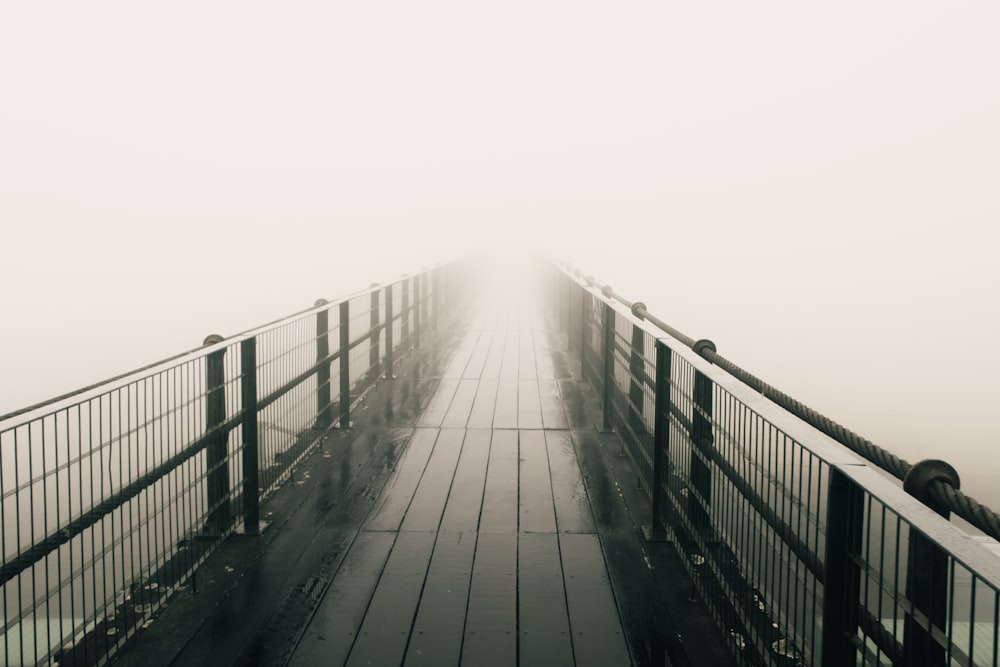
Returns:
(112, 495)
(803, 553)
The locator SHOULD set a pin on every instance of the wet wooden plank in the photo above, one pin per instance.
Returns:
(575, 404)
(535, 488)
(427, 506)
(437, 408)
(553, 414)
(544, 366)
(500, 496)
(384, 633)
(543, 620)
(465, 501)
(461, 404)
(440, 624)
(526, 358)
(481, 414)
(505, 412)
(477, 361)
(529, 405)
(456, 367)
(333, 629)
(593, 615)
(398, 491)
(494, 358)
(491, 623)
(569, 493)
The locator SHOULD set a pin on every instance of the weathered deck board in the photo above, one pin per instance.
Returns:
(537, 513)
(593, 615)
(427, 505)
(499, 513)
(385, 631)
(334, 627)
(491, 623)
(440, 624)
(465, 501)
(543, 629)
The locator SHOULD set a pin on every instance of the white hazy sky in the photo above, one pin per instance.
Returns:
(813, 187)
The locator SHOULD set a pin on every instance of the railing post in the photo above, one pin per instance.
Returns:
(926, 571)
(418, 303)
(389, 319)
(584, 330)
(216, 456)
(701, 441)
(609, 361)
(404, 311)
(345, 364)
(661, 441)
(323, 418)
(376, 333)
(841, 575)
(636, 369)
(251, 472)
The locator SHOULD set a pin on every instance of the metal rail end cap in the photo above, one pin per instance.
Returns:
(917, 482)
(639, 310)
(212, 339)
(321, 302)
(700, 346)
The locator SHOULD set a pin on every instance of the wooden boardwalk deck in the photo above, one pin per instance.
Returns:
(474, 516)
(482, 549)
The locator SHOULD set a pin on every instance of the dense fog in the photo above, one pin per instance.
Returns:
(812, 188)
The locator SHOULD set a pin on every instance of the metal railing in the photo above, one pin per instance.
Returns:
(803, 553)
(112, 496)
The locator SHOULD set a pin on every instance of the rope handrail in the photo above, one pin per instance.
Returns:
(944, 493)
